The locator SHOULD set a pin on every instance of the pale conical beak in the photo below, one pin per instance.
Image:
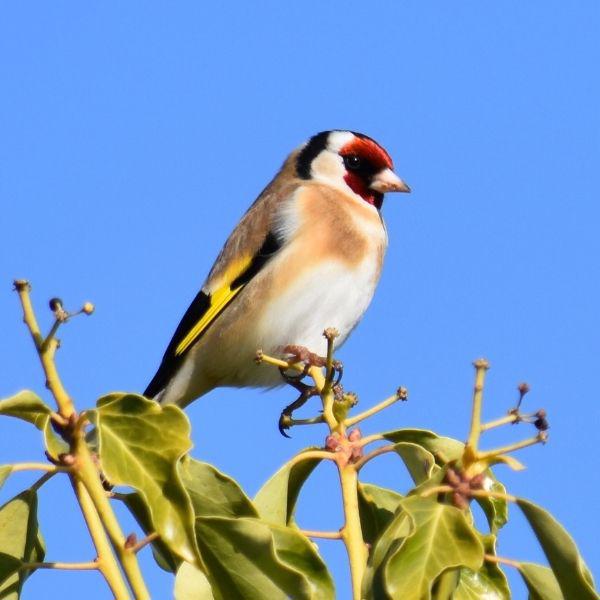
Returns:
(388, 181)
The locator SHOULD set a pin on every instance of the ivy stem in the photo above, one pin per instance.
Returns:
(399, 395)
(45, 352)
(538, 439)
(481, 366)
(351, 532)
(327, 398)
(503, 561)
(106, 562)
(35, 466)
(512, 418)
(277, 362)
(46, 342)
(36, 485)
(144, 542)
(86, 472)
(438, 489)
(369, 439)
(325, 535)
(486, 494)
(312, 455)
(81, 566)
(377, 452)
(95, 506)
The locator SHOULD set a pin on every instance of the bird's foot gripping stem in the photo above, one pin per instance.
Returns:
(306, 391)
(310, 359)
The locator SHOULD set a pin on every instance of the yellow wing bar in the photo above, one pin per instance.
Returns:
(219, 299)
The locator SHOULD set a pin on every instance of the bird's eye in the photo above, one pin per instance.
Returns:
(352, 162)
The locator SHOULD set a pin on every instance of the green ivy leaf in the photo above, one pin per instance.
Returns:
(191, 584)
(495, 509)
(248, 559)
(540, 581)
(140, 445)
(390, 541)
(212, 493)
(28, 406)
(419, 461)
(488, 582)
(561, 552)
(441, 538)
(276, 499)
(163, 555)
(20, 542)
(445, 450)
(446, 584)
(5, 471)
(376, 506)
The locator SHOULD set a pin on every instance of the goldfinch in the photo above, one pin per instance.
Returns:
(307, 255)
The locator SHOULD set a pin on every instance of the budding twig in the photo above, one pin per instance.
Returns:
(326, 535)
(95, 507)
(374, 453)
(369, 439)
(503, 561)
(135, 548)
(481, 366)
(74, 566)
(401, 394)
(540, 438)
(35, 466)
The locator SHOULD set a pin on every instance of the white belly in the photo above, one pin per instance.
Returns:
(332, 295)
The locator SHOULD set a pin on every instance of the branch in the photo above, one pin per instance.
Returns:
(502, 561)
(312, 454)
(377, 452)
(135, 548)
(481, 366)
(95, 507)
(325, 535)
(107, 563)
(45, 351)
(401, 394)
(82, 566)
(35, 466)
(540, 438)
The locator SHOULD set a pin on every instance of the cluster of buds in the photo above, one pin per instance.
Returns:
(348, 447)
(462, 485)
(61, 315)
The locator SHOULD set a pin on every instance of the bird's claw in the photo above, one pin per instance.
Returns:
(306, 392)
(285, 422)
(337, 371)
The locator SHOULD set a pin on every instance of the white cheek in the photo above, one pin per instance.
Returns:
(328, 168)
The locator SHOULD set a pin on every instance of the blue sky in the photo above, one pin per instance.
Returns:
(134, 135)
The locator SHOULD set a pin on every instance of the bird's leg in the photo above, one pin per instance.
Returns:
(303, 354)
(306, 391)
(310, 359)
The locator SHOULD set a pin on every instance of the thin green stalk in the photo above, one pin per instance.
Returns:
(107, 563)
(481, 366)
(352, 535)
(87, 473)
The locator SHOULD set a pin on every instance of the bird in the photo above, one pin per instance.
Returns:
(306, 255)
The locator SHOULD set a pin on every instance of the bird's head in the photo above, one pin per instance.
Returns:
(351, 160)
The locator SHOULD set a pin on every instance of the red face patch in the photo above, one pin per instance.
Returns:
(370, 151)
(370, 159)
